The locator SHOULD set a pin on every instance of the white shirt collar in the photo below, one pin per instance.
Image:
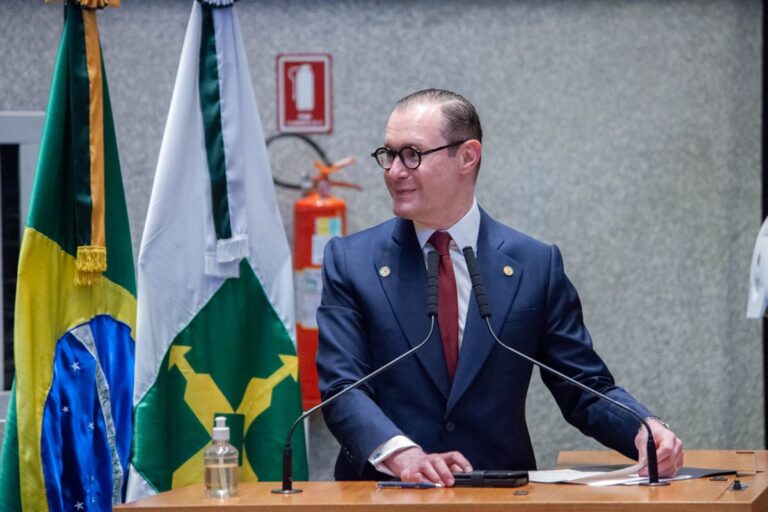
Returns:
(464, 233)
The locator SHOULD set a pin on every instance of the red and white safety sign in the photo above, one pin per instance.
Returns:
(304, 93)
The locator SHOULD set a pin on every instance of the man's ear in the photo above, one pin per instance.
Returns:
(470, 153)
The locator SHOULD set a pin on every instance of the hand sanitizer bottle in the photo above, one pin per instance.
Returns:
(221, 468)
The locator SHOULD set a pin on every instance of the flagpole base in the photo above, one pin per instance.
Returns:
(654, 484)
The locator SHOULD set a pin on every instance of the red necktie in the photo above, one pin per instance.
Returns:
(448, 302)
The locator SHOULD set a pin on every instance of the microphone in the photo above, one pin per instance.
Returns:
(485, 312)
(432, 268)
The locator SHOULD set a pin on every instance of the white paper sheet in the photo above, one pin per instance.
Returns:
(623, 476)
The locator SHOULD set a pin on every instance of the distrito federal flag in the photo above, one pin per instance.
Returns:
(215, 315)
(68, 429)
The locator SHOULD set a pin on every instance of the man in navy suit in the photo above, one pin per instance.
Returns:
(459, 403)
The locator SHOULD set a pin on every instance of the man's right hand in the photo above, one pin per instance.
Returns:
(413, 465)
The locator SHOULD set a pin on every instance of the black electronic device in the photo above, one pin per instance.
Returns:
(489, 478)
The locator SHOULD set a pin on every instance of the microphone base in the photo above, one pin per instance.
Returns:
(286, 491)
(654, 484)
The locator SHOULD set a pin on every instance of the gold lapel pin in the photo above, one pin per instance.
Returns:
(508, 271)
(384, 271)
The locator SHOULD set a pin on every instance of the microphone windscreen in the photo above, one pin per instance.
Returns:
(433, 261)
(477, 282)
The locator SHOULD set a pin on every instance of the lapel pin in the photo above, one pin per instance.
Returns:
(508, 271)
(384, 271)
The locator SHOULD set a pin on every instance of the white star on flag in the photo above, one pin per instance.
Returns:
(90, 426)
(65, 409)
(80, 505)
(76, 366)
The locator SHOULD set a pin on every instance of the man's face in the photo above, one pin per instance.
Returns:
(429, 193)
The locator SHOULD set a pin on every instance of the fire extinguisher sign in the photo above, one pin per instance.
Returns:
(304, 93)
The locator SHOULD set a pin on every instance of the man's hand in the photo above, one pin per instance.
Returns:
(413, 465)
(669, 449)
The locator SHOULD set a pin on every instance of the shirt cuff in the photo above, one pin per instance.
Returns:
(386, 450)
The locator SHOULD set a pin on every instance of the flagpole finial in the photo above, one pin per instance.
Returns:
(88, 4)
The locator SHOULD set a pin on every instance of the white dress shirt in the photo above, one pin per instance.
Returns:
(464, 233)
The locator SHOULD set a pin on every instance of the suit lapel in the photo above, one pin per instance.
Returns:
(501, 288)
(404, 284)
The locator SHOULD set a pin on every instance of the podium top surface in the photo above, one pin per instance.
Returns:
(700, 495)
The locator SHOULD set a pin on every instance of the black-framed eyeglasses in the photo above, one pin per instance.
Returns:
(409, 156)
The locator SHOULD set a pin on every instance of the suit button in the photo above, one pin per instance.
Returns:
(450, 427)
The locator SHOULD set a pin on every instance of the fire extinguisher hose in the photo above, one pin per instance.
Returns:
(320, 153)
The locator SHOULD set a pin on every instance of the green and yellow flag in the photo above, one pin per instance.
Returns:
(215, 319)
(68, 430)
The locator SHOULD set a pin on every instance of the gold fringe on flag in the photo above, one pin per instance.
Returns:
(90, 263)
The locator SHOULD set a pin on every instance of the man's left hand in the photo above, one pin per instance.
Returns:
(669, 449)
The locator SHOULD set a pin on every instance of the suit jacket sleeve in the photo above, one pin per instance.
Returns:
(568, 348)
(343, 357)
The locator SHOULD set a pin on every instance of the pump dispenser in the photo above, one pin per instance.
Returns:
(221, 463)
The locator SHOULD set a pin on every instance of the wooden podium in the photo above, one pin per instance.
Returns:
(700, 495)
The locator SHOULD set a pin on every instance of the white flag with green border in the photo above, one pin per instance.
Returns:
(215, 327)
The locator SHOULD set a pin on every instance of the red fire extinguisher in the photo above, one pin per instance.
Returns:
(318, 216)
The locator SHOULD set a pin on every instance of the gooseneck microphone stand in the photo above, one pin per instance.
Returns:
(485, 312)
(432, 266)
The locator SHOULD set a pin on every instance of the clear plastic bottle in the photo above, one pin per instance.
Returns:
(221, 463)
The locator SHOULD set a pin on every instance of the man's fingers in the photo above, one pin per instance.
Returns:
(416, 466)
(457, 459)
(440, 466)
(424, 473)
(427, 469)
(676, 457)
(416, 474)
(669, 452)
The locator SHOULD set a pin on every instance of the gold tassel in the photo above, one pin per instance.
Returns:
(87, 278)
(90, 263)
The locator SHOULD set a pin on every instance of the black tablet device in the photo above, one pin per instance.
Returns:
(488, 478)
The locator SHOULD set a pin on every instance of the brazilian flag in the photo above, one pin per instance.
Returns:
(69, 423)
(215, 328)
